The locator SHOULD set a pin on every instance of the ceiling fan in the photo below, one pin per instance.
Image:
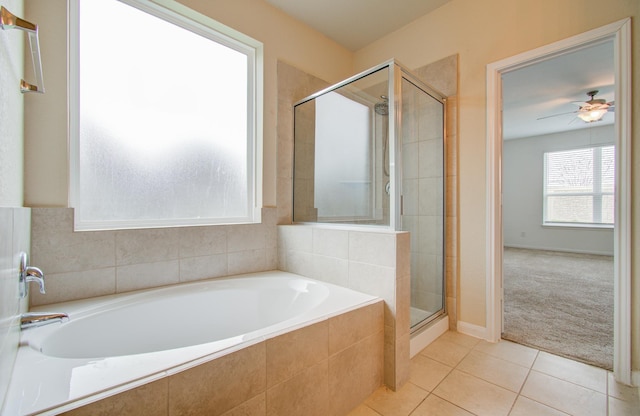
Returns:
(591, 110)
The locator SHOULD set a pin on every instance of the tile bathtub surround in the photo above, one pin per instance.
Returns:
(369, 261)
(14, 233)
(314, 370)
(464, 376)
(87, 264)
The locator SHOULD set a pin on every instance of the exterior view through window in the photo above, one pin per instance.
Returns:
(579, 186)
(165, 130)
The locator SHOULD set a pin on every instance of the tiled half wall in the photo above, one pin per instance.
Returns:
(376, 263)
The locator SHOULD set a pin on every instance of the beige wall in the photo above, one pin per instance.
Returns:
(482, 32)
(11, 109)
(283, 37)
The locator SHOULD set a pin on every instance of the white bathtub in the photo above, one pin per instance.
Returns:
(117, 342)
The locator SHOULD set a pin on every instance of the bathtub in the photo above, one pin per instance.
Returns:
(114, 343)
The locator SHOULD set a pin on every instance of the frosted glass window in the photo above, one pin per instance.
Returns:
(579, 186)
(166, 132)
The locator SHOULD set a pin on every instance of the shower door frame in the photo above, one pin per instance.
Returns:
(397, 74)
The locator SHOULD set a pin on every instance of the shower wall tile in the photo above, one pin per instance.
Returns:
(85, 264)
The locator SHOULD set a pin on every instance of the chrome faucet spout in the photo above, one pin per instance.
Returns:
(35, 319)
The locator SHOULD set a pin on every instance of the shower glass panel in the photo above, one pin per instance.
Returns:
(369, 151)
(340, 154)
(423, 199)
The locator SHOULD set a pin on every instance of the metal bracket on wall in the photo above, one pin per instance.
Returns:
(10, 21)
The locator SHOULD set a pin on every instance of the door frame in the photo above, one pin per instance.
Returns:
(620, 33)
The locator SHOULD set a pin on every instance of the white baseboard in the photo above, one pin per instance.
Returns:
(560, 249)
(473, 330)
(423, 338)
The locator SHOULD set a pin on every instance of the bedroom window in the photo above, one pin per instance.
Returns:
(579, 187)
(166, 123)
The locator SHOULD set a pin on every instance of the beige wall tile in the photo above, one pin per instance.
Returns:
(204, 267)
(306, 393)
(291, 353)
(143, 276)
(248, 261)
(246, 237)
(331, 270)
(348, 328)
(355, 373)
(220, 385)
(373, 248)
(146, 246)
(62, 287)
(256, 406)
(150, 399)
(56, 248)
(202, 241)
(331, 243)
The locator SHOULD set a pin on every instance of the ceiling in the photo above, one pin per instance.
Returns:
(557, 86)
(356, 23)
(554, 86)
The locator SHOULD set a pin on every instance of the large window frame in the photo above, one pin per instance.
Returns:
(179, 15)
(596, 185)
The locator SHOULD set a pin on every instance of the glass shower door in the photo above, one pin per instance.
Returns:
(422, 213)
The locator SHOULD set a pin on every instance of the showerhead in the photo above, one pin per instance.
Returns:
(382, 107)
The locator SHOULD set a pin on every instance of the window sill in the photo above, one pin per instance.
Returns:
(579, 226)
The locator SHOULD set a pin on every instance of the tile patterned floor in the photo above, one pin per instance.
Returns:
(458, 375)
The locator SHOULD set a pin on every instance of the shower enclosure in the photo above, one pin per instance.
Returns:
(369, 151)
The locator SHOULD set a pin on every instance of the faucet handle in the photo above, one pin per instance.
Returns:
(28, 274)
(34, 274)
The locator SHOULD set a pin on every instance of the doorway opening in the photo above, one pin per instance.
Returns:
(619, 34)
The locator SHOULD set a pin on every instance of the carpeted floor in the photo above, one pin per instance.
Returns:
(561, 303)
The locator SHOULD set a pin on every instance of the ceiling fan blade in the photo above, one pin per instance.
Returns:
(556, 115)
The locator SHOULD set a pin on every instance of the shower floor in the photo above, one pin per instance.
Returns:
(418, 315)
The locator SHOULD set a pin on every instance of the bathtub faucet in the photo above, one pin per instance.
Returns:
(27, 274)
(35, 319)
